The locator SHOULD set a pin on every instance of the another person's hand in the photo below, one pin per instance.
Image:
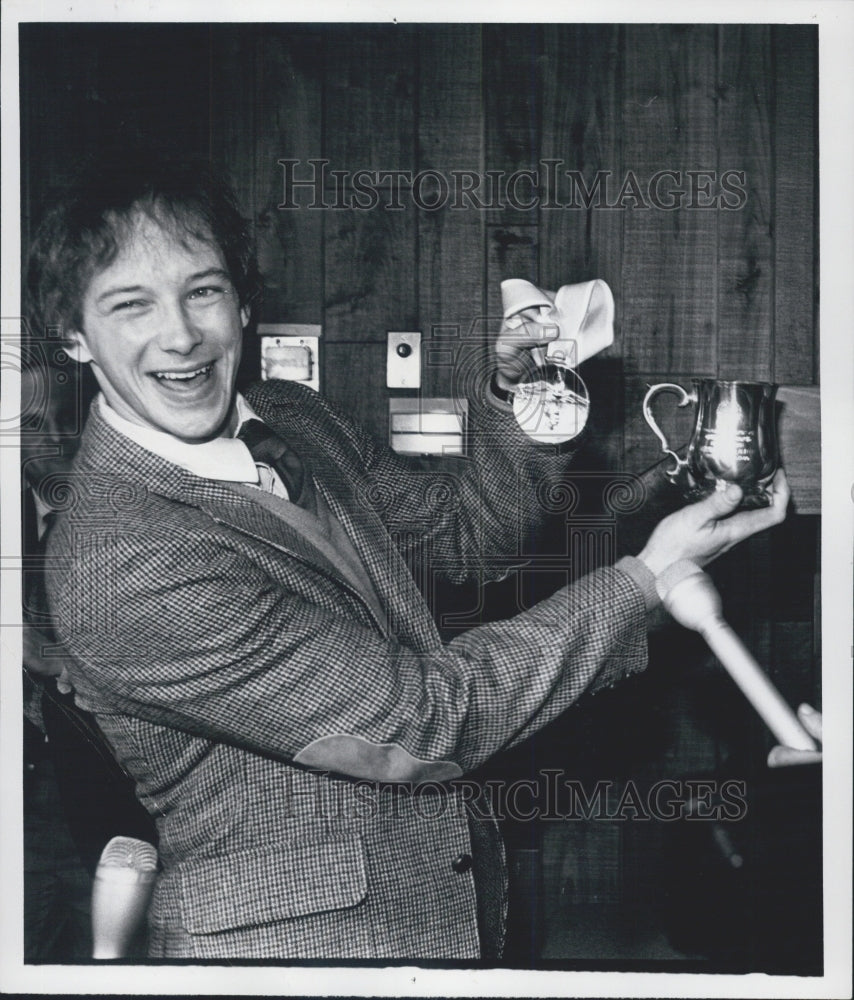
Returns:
(702, 531)
(35, 660)
(780, 756)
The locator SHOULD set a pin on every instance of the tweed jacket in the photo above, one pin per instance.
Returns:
(296, 736)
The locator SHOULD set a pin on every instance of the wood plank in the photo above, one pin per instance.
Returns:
(795, 204)
(353, 382)
(511, 100)
(512, 252)
(799, 435)
(581, 130)
(86, 90)
(369, 119)
(59, 78)
(370, 255)
(745, 244)
(450, 106)
(450, 239)
(369, 275)
(512, 86)
(232, 119)
(512, 144)
(144, 68)
(670, 256)
(232, 138)
(288, 102)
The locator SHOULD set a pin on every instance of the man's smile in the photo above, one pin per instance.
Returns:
(184, 376)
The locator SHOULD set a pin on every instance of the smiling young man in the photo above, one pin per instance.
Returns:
(161, 327)
(244, 626)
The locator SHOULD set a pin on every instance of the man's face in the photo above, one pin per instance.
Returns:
(162, 330)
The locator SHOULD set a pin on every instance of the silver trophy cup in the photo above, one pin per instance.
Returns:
(734, 438)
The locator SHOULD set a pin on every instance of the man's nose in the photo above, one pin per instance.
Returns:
(178, 333)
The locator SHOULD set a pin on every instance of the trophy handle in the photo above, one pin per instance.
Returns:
(687, 397)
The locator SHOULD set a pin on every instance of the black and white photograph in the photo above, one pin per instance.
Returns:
(427, 501)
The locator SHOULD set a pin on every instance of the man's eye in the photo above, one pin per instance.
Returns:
(206, 293)
(129, 305)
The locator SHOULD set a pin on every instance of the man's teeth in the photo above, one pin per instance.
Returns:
(183, 376)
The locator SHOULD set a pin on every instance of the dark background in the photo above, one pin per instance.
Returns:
(699, 292)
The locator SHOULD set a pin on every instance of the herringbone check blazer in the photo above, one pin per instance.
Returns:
(277, 717)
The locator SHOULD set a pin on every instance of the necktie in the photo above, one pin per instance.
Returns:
(267, 447)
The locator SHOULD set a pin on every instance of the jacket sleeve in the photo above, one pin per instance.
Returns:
(471, 517)
(197, 637)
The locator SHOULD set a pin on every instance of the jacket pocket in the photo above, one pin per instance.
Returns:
(262, 886)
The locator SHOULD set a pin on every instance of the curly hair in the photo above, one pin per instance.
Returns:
(87, 227)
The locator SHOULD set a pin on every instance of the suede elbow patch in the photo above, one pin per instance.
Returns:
(359, 758)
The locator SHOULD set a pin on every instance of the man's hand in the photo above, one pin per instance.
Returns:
(786, 756)
(703, 531)
(520, 351)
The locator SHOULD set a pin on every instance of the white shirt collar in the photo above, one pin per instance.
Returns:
(225, 459)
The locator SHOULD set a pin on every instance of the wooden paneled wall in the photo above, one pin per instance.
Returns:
(699, 291)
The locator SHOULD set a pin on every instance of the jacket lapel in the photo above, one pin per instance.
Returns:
(301, 535)
(106, 452)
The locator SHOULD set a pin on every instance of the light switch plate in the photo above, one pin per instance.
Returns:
(403, 360)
